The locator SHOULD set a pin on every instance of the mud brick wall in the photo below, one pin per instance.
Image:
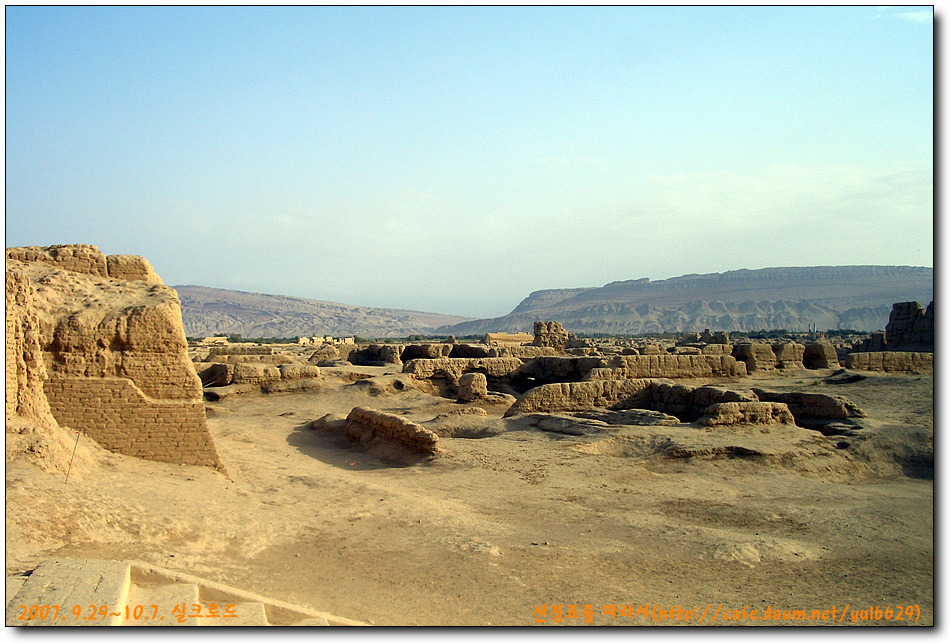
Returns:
(82, 258)
(891, 362)
(671, 366)
(241, 350)
(116, 414)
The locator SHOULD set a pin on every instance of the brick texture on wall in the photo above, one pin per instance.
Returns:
(116, 414)
(96, 343)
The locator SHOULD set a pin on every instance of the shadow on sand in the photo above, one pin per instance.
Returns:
(335, 449)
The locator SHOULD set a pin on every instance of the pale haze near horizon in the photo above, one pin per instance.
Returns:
(455, 159)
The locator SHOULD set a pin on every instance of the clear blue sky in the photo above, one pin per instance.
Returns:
(455, 159)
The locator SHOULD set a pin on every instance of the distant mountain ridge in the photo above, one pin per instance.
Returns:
(831, 297)
(208, 311)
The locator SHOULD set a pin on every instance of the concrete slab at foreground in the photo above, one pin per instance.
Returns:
(159, 605)
(69, 583)
(82, 592)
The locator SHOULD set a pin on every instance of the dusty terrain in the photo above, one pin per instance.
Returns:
(496, 525)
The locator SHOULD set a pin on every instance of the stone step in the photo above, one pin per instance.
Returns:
(248, 614)
(162, 605)
(72, 592)
(104, 592)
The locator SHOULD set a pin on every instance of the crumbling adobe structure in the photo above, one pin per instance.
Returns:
(910, 327)
(688, 403)
(891, 362)
(820, 354)
(551, 334)
(452, 368)
(731, 413)
(99, 341)
(673, 366)
(25, 371)
(366, 425)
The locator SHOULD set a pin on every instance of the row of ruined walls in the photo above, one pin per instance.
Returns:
(96, 343)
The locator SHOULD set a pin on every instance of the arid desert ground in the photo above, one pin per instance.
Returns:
(500, 524)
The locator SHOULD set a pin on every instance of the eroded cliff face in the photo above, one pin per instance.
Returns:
(25, 369)
(97, 344)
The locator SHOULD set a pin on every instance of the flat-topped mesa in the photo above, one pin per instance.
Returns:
(113, 351)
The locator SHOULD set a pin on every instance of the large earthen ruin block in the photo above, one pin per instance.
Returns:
(558, 368)
(813, 405)
(109, 349)
(688, 402)
(788, 355)
(240, 350)
(550, 333)
(580, 396)
(426, 351)
(131, 268)
(757, 356)
(731, 413)
(820, 354)
(521, 351)
(494, 339)
(472, 387)
(25, 368)
(910, 327)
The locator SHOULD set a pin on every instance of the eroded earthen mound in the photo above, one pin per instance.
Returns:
(96, 343)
